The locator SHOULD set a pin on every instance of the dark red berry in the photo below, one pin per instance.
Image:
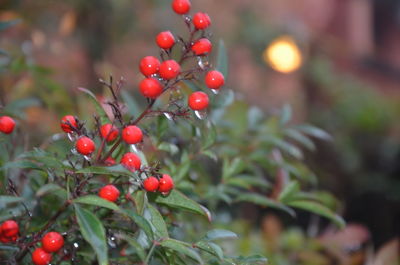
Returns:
(41, 257)
(85, 146)
(109, 193)
(109, 161)
(10, 228)
(151, 184)
(165, 40)
(66, 123)
(109, 131)
(201, 20)
(149, 65)
(131, 161)
(214, 79)
(202, 47)
(166, 184)
(181, 7)
(150, 88)
(52, 242)
(198, 100)
(132, 134)
(169, 69)
(7, 124)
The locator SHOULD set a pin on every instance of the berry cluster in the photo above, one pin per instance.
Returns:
(9, 231)
(51, 242)
(7, 124)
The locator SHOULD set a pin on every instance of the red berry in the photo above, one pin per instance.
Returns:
(132, 134)
(109, 161)
(109, 193)
(198, 100)
(165, 40)
(9, 228)
(151, 184)
(85, 146)
(131, 161)
(214, 79)
(150, 88)
(202, 46)
(149, 65)
(109, 131)
(7, 124)
(41, 257)
(166, 184)
(52, 242)
(201, 20)
(66, 123)
(169, 69)
(181, 6)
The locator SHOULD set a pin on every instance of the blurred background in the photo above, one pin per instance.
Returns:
(336, 62)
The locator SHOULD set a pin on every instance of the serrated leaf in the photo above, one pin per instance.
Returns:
(222, 59)
(182, 248)
(210, 248)
(264, 201)
(178, 200)
(99, 108)
(157, 222)
(141, 222)
(319, 209)
(289, 191)
(93, 232)
(96, 201)
(216, 234)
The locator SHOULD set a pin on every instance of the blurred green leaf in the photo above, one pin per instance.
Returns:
(300, 138)
(222, 59)
(116, 170)
(183, 248)
(93, 232)
(96, 201)
(141, 222)
(216, 234)
(314, 131)
(289, 191)
(5, 200)
(133, 106)
(51, 188)
(286, 114)
(170, 148)
(99, 108)
(133, 243)
(210, 248)
(6, 24)
(264, 201)
(157, 222)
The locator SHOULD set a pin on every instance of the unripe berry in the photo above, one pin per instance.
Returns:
(109, 161)
(202, 46)
(150, 88)
(109, 193)
(151, 184)
(52, 242)
(166, 184)
(109, 131)
(169, 69)
(132, 134)
(41, 257)
(198, 100)
(214, 79)
(165, 40)
(7, 124)
(131, 161)
(201, 20)
(10, 228)
(181, 7)
(85, 146)
(64, 123)
(149, 65)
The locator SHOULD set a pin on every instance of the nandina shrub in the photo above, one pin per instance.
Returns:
(143, 184)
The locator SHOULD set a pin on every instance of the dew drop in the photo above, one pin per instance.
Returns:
(134, 148)
(111, 242)
(74, 151)
(87, 158)
(202, 62)
(188, 19)
(168, 116)
(154, 75)
(71, 136)
(215, 91)
(76, 245)
(200, 114)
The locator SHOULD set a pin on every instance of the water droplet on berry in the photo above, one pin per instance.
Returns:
(155, 76)
(76, 245)
(111, 242)
(200, 114)
(74, 151)
(168, 116)
(215, 91)
(188, 19)
(87, 158)
(202, 62)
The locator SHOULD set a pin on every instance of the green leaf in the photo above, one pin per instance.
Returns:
(209, 137)
(255, 117)
(170, 148)
(183, 248)
(230, 169)
(93, 232)
(244, 181)
(253, 260)
(116, 170)
(5, 200)
(6, 24)
(133, 106)
(97, 201)
(22, 164)
(178, 200)
(99, 108)
(314, 131)
(222, 59)
(264, 201)
(51, 188)
(216, 234)
(140, 201)
(286, 114)
(210, 248)
(319, 209)
(141, 222)
(289, 191)
(300, 138)
(133, 243)
(157, 221)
